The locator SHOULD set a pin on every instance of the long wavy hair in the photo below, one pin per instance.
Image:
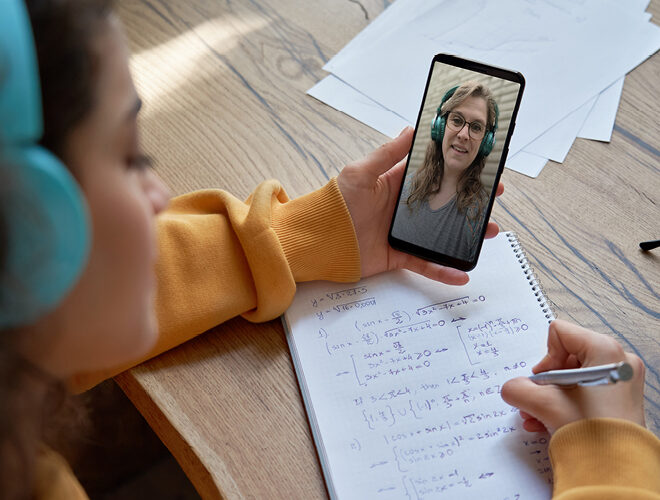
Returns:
(34, 406)
(471, 195)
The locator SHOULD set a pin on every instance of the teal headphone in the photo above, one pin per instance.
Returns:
(440, 122)
(45, 219)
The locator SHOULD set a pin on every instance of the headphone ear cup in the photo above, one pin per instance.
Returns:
(487, 144)
(46, 232)
(441, 126)
(438, 128)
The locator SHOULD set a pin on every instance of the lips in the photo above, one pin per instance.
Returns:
(459, 149)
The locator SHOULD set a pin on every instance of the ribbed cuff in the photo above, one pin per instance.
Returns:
(605, 452)
(317, 235)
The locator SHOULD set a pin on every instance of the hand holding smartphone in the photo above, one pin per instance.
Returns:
(457, 157)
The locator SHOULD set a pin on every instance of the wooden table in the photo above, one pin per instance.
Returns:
(224, 85)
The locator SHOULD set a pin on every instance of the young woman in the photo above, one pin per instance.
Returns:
(216, 257)
(446, 195)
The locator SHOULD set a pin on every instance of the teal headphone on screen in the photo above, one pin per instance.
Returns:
(440, 122)
(44, 215)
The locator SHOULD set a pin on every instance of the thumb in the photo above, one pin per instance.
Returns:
(389, 154)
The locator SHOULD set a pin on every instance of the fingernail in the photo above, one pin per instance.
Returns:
(406, 129)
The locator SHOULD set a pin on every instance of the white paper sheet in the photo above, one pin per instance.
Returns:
(398, 14)
(332, 91)
(600, 123)
(526, 163)
(555, 142)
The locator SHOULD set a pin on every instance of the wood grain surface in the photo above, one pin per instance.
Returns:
(224, 85)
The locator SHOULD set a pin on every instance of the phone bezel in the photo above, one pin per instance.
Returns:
(479, 67)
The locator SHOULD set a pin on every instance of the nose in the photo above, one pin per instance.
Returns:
(464, 133)
(157, 192)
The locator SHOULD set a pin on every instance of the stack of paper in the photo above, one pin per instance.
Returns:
(574, 56)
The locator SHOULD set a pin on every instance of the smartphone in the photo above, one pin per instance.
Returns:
(457, 156)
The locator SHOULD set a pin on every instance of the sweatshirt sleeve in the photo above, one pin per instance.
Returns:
(605, 459)
(220, 257)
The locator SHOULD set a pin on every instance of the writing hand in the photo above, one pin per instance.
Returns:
(548, 407)
(370, 188)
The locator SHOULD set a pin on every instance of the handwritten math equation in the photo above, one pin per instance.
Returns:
(424, 385)
(388, 332)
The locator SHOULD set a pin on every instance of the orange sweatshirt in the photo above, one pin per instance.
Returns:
(605, 459)
(220, 258)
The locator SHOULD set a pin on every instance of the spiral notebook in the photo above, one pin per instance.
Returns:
(401, 380)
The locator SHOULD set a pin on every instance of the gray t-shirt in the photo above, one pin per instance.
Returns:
(445, 230)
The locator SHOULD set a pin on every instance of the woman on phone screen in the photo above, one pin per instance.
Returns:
(445, 202)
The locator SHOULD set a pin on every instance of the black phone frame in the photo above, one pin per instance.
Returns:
(478, 67)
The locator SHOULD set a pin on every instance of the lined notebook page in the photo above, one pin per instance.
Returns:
(401, 379)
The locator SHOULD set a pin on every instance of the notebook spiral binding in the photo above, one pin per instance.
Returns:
(531, 277)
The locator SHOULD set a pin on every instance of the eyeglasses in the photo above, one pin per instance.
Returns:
(456, 122)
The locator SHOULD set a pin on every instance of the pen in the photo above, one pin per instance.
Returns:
(591, 375)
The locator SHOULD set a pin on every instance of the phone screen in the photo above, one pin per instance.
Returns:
(460, 145)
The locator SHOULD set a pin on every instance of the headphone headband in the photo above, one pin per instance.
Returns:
(20, 96)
